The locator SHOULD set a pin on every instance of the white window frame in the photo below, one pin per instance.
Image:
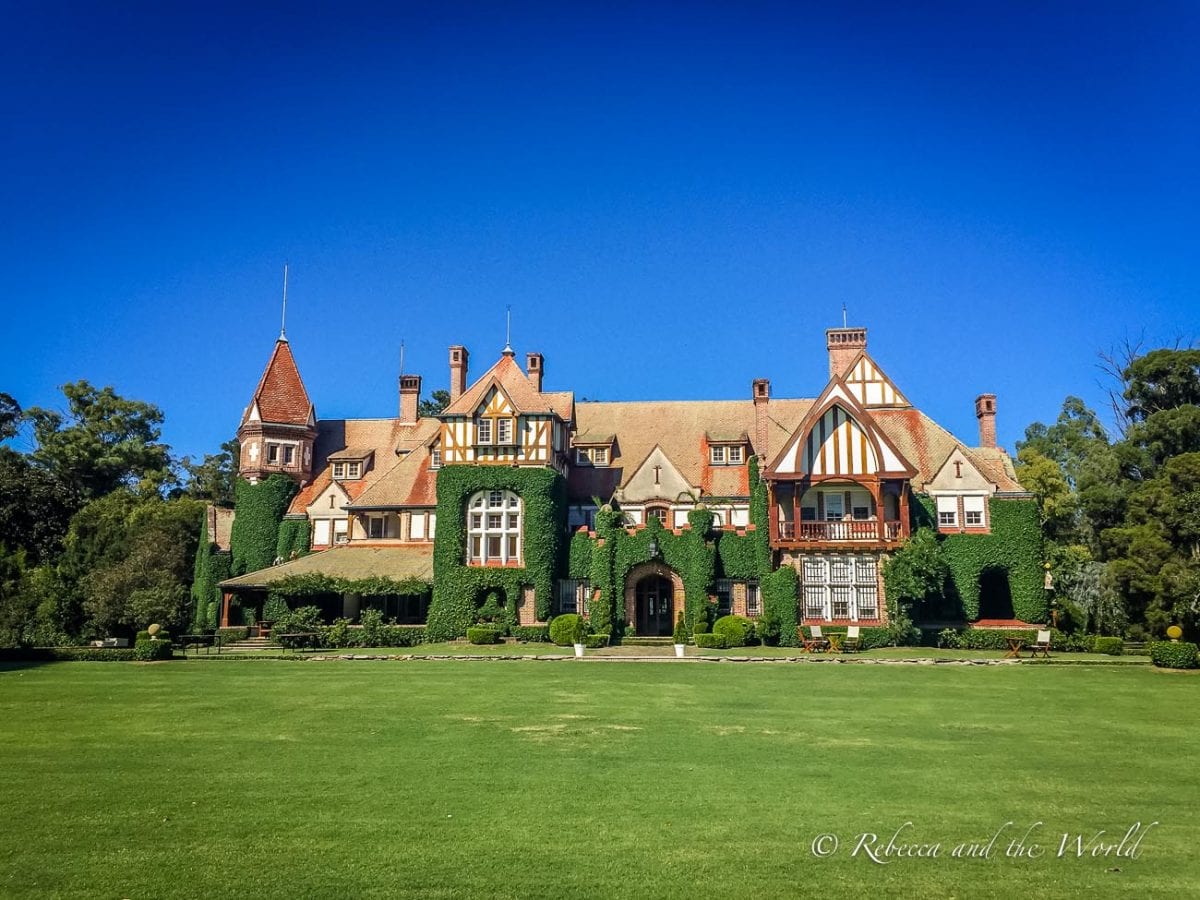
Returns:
(838, 587)
(435, 458)
(716, 454)
(947, 511)
(981, 512)
(483, 431)
(494, 515)
(339, 471)
(501, 437)
(341, 531)
(599, 456)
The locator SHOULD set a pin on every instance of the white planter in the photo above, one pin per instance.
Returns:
(579, 649)
(679, 650)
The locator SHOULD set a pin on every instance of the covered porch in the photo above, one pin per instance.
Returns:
(807, 512)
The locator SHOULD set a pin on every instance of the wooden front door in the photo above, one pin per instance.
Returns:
(654, 605)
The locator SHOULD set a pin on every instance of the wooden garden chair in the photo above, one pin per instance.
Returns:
(1041, 645)
(850, 643)
(817, 641)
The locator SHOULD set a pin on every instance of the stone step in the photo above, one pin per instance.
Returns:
(647, 641)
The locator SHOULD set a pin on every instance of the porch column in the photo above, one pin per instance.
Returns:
(225, 598)
(797, 491)
(772, 512)
(904, 519)
(880, 513)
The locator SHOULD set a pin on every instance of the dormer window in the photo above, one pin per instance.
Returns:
(727, 454)
(483, 431)
(435, 458)
(592, 456)
(346, 471)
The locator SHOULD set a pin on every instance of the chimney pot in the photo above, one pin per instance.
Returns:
(458, 371)
(410, 398)
(760, 392)
(534, 363)
(985, 412)
(844, 344)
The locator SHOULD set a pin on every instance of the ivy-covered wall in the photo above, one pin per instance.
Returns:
(258, 513)
(1013, 546)
(617, 550)
(294, 538)
(458, 588)
(211, 567)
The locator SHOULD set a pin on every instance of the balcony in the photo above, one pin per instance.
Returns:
(846, 531)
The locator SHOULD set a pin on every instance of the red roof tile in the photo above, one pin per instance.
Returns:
(280, 395)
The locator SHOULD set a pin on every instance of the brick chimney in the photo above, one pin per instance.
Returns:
(458, 371)
(760, 391)
(534, 363)
(843, 345)
(410, 395)
(985, 412)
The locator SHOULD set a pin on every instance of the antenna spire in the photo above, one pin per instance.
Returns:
(844, 325)
(401, 359)
(283, 318)
(508, 329)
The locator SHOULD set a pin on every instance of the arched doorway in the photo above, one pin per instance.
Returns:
(655, 601)
(995, 595)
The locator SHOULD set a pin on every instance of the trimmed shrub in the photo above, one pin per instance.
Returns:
(146, 649)
(736, 631)
(66, 654)
(595, 641)
(1113, 646)
(701, 627)
(709, 641)
(229, 635)
(679, 633)
(567, 629)
(531, 634)
(1174, 655)
(483, 634)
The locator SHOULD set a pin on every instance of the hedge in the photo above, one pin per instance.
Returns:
(710, 641)
(152, 650)
(736, 631)
(483, 634)
(66, 654)
(565, 630)
(595, 641)
(870, 637)
(459, 587)
(1174, 655)
(531, 634)
(1113, 646)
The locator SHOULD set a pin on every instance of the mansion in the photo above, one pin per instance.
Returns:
(846, 476)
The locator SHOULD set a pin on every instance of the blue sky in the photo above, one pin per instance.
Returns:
(674, 198)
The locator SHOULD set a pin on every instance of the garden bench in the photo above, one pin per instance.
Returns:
(207, 641)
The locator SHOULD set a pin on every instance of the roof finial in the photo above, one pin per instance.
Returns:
(283, 319)
(844, 325)
(508, 350)
(402, 358)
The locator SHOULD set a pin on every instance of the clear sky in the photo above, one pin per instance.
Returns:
(674, 198)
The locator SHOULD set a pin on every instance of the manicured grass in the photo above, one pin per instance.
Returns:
(528, 779)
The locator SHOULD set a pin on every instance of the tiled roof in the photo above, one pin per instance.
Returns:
(350, 561)
(409, 481)
(363, 437)
(680, 428)
(508, 375)
(927, 445)
(280, 395)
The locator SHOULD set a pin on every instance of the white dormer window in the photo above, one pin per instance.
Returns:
(347, 471)
(591, 456)
(726, 454)
(339, 470)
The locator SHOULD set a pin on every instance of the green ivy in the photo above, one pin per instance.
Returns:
(313, 584)
(211, 568)
(749, 555)
(457, 586)
(579, 557)
(294, 538)
(780, 591)
(1014, 546)
(258, 513)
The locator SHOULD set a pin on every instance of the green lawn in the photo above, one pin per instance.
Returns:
(528, 779)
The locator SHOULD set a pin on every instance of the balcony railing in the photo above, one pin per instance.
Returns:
(855, 530)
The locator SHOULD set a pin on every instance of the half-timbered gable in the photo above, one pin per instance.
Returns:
(871, 386)
(504, 420)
